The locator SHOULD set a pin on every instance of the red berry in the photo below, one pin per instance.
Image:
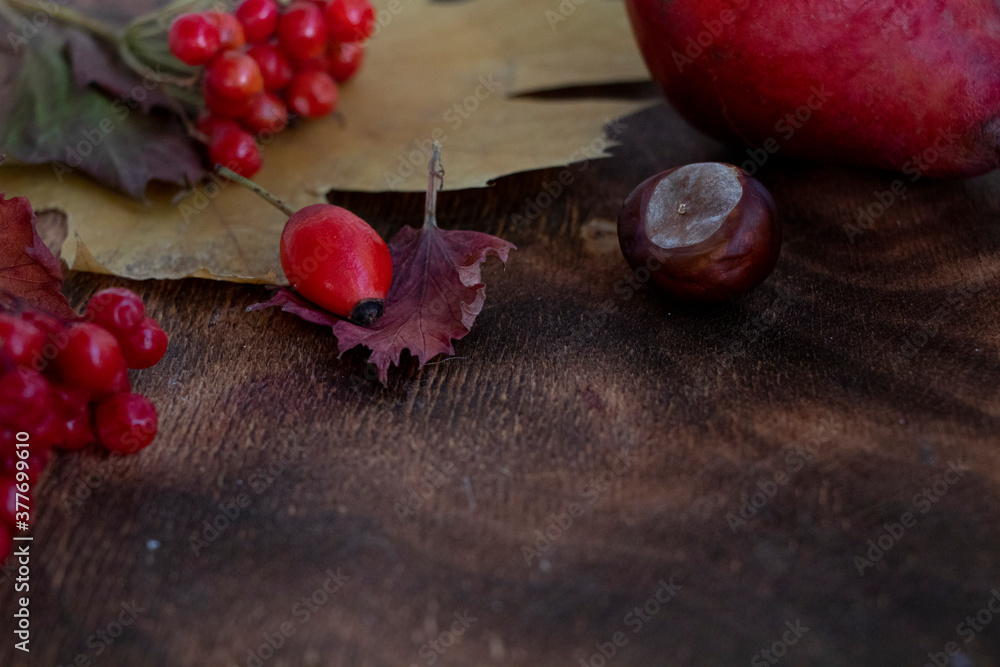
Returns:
(267, 114)
(146, 346)
(312, 94)
(8, 499)
(92, 359)
(236, 149)
(6, 543)
(344, 60)
(194, 39)
(350, 20)
(50, 325)
(302, 31)
(234, 76)
(36, 462)
(21, 342)
(72, 408)
(222, 107)
(125, 423)
(48, 431)
(273, 64)
(209, 124)
(117, 309)
(336, 260)
(259, 19)
(24, 398)
(230, 29)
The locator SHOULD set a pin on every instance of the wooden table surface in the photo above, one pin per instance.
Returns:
(596, 470)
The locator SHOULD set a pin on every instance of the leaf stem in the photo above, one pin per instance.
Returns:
(70, 16)
(256, 189)
(435, 182)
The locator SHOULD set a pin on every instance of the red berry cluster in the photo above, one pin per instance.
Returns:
(266, 61)
(65, 385)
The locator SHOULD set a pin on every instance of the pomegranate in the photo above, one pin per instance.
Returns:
(897, 84)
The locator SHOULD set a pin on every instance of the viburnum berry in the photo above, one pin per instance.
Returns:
(343, 60)
(267, 113)
(350, 20)
(312, 94)
(302, 31)
(49, 430)
(209, 123)
(117, 309)
(236, 149)
(92, 359)
(273, 64)
(259, 19)
(71, 406)
(146, 346)
(194, 39)
(223, 107)
(21, 342)
(125, 423)
(24, 397)
(234, 76)
(230, 29)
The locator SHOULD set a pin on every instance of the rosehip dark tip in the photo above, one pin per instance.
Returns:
(366, 311)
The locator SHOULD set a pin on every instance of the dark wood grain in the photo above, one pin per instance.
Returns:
(877, 361)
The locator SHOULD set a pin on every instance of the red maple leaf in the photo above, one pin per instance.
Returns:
(436, 294)
(29, 272)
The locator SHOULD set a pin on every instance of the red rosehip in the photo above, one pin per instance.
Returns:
(230, 29)
(267, 114)
(146, 346)
(117, 309)
(259, 19)
(336, 260)
(236, 149)
(350, 20)
(344, 60)
(234, 76)
(21, 342)
(302, 31)
(194, 39)
(125, 423)
(92, 359)
(312, 94)
(273, 64)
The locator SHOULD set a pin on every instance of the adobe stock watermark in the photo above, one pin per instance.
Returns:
(102, 638)
(30, 27)
(967, 629)
(893, 531)
(779, 648)
(635, 620)
(696, 45)
(915, 168)
(431, 651)
(561, 522)
(562, 12)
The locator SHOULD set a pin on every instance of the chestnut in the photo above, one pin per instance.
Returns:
(705, 232)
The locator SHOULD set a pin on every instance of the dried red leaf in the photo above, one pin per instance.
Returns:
(437, 291)
(29, 273)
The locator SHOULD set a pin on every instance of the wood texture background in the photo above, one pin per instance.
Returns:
(880, 357)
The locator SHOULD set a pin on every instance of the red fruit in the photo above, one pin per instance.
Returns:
(6, 543)
(24, 398)
(259, 19)
(910, 87)
(350, 20)
(117, 309)
(312, 94)
(49, 430)
(194, 39)
(146, 346)
(209, 124)
(336, 260)
(267, 114)
(36, 462)
(222, 107)
(273, 64)
(21, 342)
(72, 408)
(230, 29)
(8, 500)
(234, 76)
(92, 359)
(302, 31)
(344, 60)
(236, 149)
(125, 423)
